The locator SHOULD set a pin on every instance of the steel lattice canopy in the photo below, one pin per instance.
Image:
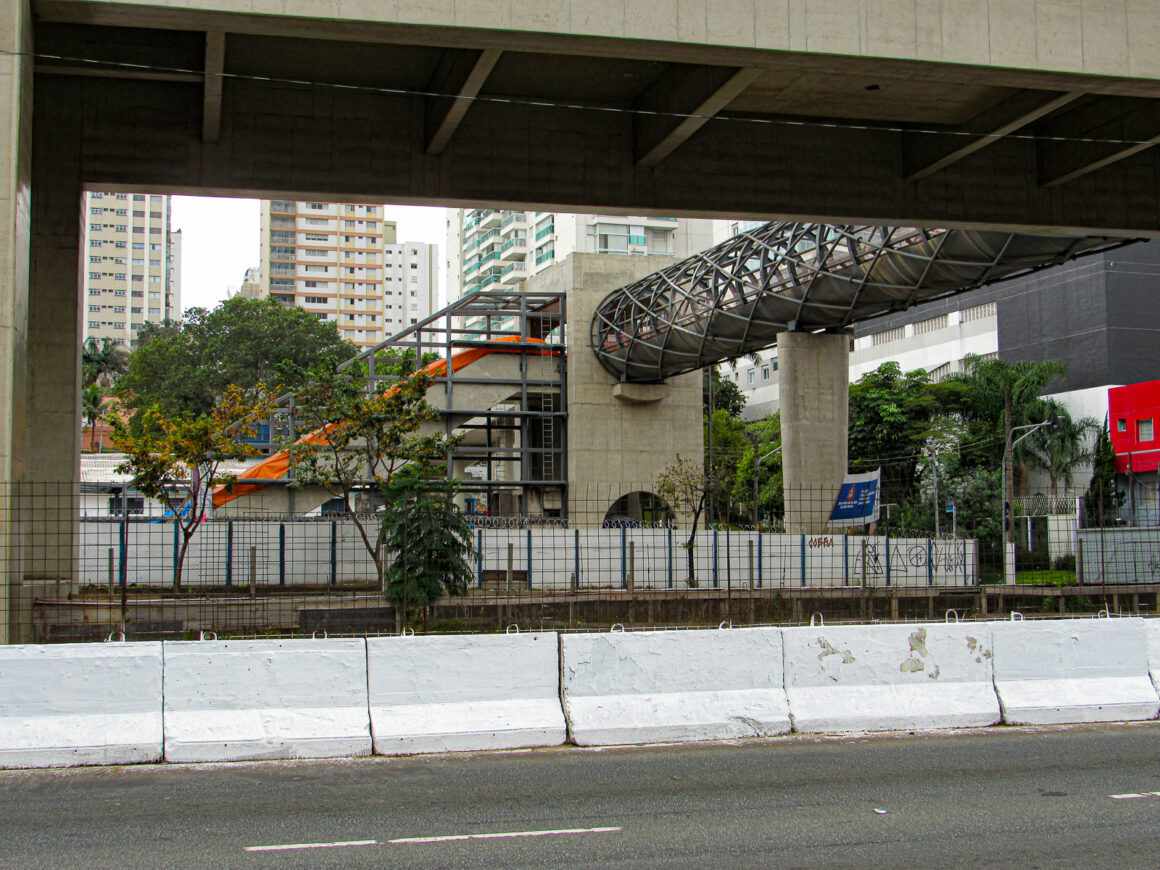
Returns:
(734, 299)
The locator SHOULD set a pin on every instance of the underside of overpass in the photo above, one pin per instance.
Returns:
(969, 115)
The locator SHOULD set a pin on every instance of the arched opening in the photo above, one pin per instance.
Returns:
(638, 509)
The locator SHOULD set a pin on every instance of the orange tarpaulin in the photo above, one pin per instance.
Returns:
(277, 465)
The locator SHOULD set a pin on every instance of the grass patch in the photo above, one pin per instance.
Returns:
(1045, 578)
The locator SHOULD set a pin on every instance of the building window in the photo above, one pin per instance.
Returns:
(924, 327)
(751, 377)
(896, 334)
(1144, 430)
(765, 373)
(1121, 425)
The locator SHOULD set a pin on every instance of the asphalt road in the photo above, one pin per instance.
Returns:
(998, 798)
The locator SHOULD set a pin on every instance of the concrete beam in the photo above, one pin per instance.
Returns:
(458, 74)
(1098, 135)
(988, 128)
(215, 61)
(49, 69)
(698, 93)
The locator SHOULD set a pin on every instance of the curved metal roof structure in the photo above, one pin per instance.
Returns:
(734, 299)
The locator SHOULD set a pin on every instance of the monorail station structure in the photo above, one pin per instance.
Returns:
(1003, 124)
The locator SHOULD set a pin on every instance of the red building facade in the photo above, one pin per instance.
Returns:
(1134, 420)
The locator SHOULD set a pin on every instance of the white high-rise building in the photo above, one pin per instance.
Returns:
(342, 262)
(132, 273)
(489, 249)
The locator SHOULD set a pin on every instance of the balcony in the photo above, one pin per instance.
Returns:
(514, 220)
(514, 249)
(513, 274)
(489, 219)
(546, 230)
(490, 280)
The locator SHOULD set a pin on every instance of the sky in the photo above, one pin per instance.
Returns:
(219, 241)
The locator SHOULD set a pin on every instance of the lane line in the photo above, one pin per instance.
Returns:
(506, 835)
(1131, 795)
(289, 847)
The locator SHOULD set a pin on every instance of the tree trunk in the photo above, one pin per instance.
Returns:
(186, 537)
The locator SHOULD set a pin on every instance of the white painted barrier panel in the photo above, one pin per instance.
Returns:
(656, 687)
(461, 693)
(235, 700)
(73, 704)
(889, 677)
(1073, 670)
(1152, 629)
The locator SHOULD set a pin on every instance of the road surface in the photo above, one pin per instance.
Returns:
(1030, 798)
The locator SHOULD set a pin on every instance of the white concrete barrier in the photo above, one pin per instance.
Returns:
(1073, 670)
(460, 693)
(73, 704)
(889, 677)
(656, 687)
(235, 700)
(1152, 628)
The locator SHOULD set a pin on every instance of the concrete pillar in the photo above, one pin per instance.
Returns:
(15, 224)
(815, 422)
(49, 497)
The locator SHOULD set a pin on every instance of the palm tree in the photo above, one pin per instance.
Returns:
(1062, 447)
(92, 398)
(102, 362)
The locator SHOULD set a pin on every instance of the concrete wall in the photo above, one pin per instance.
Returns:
(1109, 37)
(616, 446)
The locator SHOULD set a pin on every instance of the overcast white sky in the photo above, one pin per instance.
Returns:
(219, 241)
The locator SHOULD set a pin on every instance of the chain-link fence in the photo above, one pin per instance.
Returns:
(86, 562)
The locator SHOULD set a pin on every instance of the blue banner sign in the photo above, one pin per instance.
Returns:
(857, 502)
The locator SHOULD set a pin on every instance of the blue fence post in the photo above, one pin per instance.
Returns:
(479, 558)
(229, 552)
(929, 562)
(888, 560)
(623, 558)
(530, 582)
(716, 572)
(802, 548)
(669, 558)
(333, 553)
(576, 554)
(176, 545)
(845, 559)
(760, 542)
(281, 554)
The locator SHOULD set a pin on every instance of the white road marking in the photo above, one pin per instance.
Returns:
(1131, 795)
(506, 835)
(289, 847)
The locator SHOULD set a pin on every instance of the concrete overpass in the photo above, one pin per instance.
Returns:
(956, 113)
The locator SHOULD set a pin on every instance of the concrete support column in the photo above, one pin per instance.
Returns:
(15, 222)
(49, 488)
(815, 423)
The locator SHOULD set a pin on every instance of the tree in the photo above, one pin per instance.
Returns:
(1059, 449)
(1104, 499)
(684, 487)
(428, 538)
(727, 396)
(361, 442)
(765, 438)
(184, 367)
(103, 362)
(92, 400)
(1007, 391)
(176, 458)
(891, 417)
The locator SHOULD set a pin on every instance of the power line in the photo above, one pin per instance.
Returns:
(547, 103)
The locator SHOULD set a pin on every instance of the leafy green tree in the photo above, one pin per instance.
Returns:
(726, 443)
(727, 396)
(1103, 500)
(891, 417)
(765, 437)
(363, 441)
(1064, 446)
(175, 458)
(684, 486)
(102, 362)
(183, 368)
(428, 540)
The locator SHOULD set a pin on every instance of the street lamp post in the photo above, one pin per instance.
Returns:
(1007, 518)
(757, 480)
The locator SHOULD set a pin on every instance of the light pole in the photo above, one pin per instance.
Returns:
(1007, 518)
(757, 479)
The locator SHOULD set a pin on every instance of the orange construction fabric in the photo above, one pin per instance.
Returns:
(277, 465)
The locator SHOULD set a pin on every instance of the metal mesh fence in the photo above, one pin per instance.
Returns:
(86, 562)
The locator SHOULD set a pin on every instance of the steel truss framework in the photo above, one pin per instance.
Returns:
(735, 298)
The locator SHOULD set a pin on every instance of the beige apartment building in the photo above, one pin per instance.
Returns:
(341, 261)
(132, 273)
